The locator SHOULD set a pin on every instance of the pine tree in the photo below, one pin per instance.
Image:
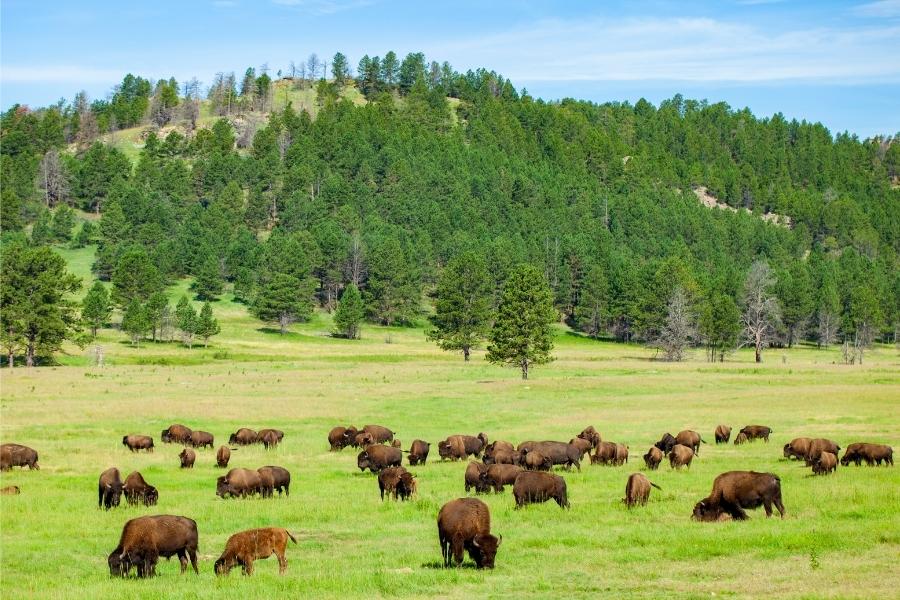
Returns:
(85, 235)
(134, 321)
(63, 222)
(593, 303)
(186, 319)
(209, 282)
(42, 231)
(462, 316)
(522, 334)
(719, 326)
(135, 277)
(207, 325)
(339, 69)
(283, 300)
(96, 307)
(349, 314)
(156, 308)
(679, 328)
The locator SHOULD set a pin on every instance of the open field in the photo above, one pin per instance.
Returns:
(841, 537)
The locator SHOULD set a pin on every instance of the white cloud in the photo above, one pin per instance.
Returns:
(880, 8)
(57, 73)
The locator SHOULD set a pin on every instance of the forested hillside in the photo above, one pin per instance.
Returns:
(246, 192)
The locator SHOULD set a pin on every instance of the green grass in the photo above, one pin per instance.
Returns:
(841, 537)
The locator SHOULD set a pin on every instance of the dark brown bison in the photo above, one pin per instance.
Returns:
(223, 455)
(238, 483)
(17, 455)
(464, 524)
(379, 433)
(681, 456)
(653, 457)
(498, 475)
(723, 434)
(537, 486)
(176, 434)
(472, 477)
(145, 539)
(584, 446)
(797, 448)
(254, 544)
(377, 457)
(497, 446)
(136, 443)
(559, 453)
(337, 439)
(605, 454)
(826, 463)
(817, 447)
(735, 491)
(691, 439)
(187, 457)
(396, 482)
(138, 491)
(453, 448)
(590, 434)
(266, 483)
(872, 454)
(281, 478)
(109, 489)
(666, 443)
(10, 490)
(243, 437)
(504, 457)
(199, 439)
(741, 438)
(535, 461)
(637, 490)
(757, 432)
(418, 452)
(269, 439)
(407, 486)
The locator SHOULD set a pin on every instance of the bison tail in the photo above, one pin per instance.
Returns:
(656, 486)
(293, 539)
(702, 440)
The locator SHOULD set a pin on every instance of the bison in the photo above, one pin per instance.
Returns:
(537, 486)
(498, 475)
(741, 438)
(872, 454)
(466, 445)
(199, 439)
(723, 434)
(337, 439)
(535, 461)
(653, 457)
(505, 457)
(472, 477)
(379, 434)
(691, 439)
(453, 448)
(605, 454)
(497, 446)
(590, 434)
(139, 491)
(621, 454)
(757, 432)
(187, 457)
(680, 456)
(254, 544)
(396, 482)
(817, 447)
(559, 453)
(281, 478)
(735, 491)
(666, 443)
(16, 455)
(363, 439)
(10, 490)
(223, 455)
(464, 524)
(239, 483)
(176, 434)
(797, 448)
(109, 489)
(418, 452)
(269, 439)
(243, 437)
(145, 539)
(637, 490)
(377, 457)
(136, 443)
(825, 464)
(584, 446)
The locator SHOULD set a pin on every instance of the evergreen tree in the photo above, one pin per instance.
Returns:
(719, 326)
(63, 222)
(593, 303)
(135, 277)
(462, 317)
(209, 282)
(283, 300)
(96, 307)
(828, 311)
(42, 231)
(207, 325)
(522, 334)
(340, 70)
(156, 308)
(794, 290)
(85, 235)
(186, 319)
(679, 329)
(392, 293)
(349, 314)
(135, 322)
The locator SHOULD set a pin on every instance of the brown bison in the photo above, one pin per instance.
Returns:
(757, 432)
(653, 457)
(269, 439)
(396, 482)
(735, 491)
(560, 453)
(418, 452)
(266, 483)
(817, 447)
(377, 457)
(223, 455)
(396, 443)
(254, 544)
(136, 443)
(621, 454)
(498, 475)
(239, 483)
(337, 439)
(637, 490)
(109, 489)
(680, 456)
(453, 448)
(584, 446)
(497, 446)
(16, 455)
(723, 434)
(533, 460)
(504, 457)
(145, 539)
(826, 463)
(379, 434)
(363, 439)
(741, 438)
(472, 477)
(872, 454)
(797, 448)
(187, 457)
(199, 439)
(464, 524)
(691, 439)
(281, 478)
(176, 434)
(666, 443)
(590, 434)
(138, 491)
(10, 490)
(471, 445)
(243, 437)
(537, 486)
(605, 454)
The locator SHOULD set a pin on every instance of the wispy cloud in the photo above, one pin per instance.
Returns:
(57, 73)
(323, 7)
(880, 8)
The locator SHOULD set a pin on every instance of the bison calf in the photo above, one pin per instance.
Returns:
(464, 524)
(741, 438)
(825, 464)
(223, 455)
(254, 544)
(637, 490)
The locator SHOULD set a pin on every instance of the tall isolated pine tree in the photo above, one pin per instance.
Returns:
(349, 314)
(462, 317)
(96, 308)
(186, 319)
(207, 325)
(283, 300)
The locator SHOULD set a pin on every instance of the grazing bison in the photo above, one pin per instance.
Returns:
(377, 457)
(418, 452)
(817, 447)
(453, 448)
(337, 439)
(504, 457)
(464, 524)
(239, 483)
(363, 439)
(176, 434)
(535, 461)
(407, 486)
(666, 443)
(269, 439)
(243, 437)
(872, 454)
(497, 446)
(584, 446)
(266, 483)
(471, 445)
(680, 456)
(691, 439)
(10, 490)
(537, 486)
(498, 475)
(379, 434)
(199, 439)
(136, 443)
(621, 454)
(757, 432)
(137, 490)
(723, 434)
(145, 539)
(281, 478)
(16, 455)
(254, 544)
(653, 457)
(605, 454)
(741, 438)
(825, 464)
(187, 457)
(109, 489)
(735, 491)
(637, 490)
(559, 453)
(390, 480)
(223, 455)
(472, 477)
(590, 434)
(797, 448)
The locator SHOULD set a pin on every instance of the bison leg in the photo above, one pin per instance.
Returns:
(182, 558)
(282, 562)
(737, 513)
(457, 549)
(248, 566)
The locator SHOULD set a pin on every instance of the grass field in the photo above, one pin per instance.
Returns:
(841, 537)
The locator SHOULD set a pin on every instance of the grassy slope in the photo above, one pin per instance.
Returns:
(841, 537)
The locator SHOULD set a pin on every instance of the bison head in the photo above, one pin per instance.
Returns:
(118, 564)
(443, 449)
(222, 487)
(362, 460)
(706, 511)
(223, 566)
(124, 440)
(666, 443)
(484, 550)
(113, 494)
(164, 436)
(151, 496)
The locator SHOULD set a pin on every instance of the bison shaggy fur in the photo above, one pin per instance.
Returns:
(145, 539)
(735, 491)
(538, 486)
(464, 524)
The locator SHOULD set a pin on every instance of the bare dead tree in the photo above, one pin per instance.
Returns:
(680, 328)
(355, 268)
(53, 179)
(827, 328)
(312, 66)
(762, 313)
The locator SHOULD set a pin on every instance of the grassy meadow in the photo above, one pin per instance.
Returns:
(841, 537)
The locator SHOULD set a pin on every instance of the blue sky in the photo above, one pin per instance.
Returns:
(834, 62)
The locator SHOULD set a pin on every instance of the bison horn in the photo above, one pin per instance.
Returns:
(475, 542)
(499, 540)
